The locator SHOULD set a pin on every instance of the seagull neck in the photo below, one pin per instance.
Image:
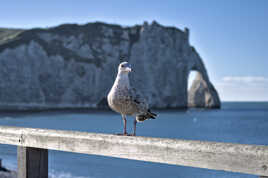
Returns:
(122, 78)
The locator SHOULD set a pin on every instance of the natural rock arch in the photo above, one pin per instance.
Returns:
(202, 93)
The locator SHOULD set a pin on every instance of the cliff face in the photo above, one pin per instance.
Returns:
(75, 66)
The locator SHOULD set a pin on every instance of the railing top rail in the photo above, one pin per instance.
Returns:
(250, 159)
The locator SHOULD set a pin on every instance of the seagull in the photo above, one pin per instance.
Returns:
(126, 100)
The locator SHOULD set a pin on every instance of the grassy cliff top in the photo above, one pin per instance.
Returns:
(7, 34)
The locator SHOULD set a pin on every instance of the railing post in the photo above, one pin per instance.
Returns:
(32, 162)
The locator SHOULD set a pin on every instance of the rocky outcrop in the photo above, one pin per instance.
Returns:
(5, 173)
(11, 174)
(203, 94)
(74, 66)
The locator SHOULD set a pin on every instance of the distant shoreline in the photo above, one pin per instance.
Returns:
(4, 109)
(73, 110)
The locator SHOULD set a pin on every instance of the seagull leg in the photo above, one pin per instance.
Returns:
(125, 124)
(134, 127)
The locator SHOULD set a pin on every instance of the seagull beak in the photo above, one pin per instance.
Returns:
(128, 69)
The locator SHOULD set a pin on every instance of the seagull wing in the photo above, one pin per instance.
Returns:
(138, 100)
(141, 105)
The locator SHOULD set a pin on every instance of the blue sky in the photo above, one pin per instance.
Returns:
(230, 35)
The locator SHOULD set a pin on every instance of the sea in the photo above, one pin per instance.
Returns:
(235, 122)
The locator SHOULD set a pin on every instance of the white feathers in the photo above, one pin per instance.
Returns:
(124, 99)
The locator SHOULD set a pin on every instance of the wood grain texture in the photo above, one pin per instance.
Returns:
(32, 162)
(249, 159)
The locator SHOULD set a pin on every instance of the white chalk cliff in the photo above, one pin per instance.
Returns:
(74, 66)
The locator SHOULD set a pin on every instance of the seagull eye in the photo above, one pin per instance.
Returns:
(123, 66)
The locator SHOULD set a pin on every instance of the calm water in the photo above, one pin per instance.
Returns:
(236, 122)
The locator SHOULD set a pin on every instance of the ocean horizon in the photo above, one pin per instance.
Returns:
(235, 122)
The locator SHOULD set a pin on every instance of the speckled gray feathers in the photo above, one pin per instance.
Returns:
(126, 100)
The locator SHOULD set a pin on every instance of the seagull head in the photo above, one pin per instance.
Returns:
(124, 67)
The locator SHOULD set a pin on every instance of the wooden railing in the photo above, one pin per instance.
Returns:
(34, 143)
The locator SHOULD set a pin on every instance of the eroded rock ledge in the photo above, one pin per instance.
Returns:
(74, 66)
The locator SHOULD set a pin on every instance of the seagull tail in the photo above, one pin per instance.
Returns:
(151, 114)
(148, 115)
